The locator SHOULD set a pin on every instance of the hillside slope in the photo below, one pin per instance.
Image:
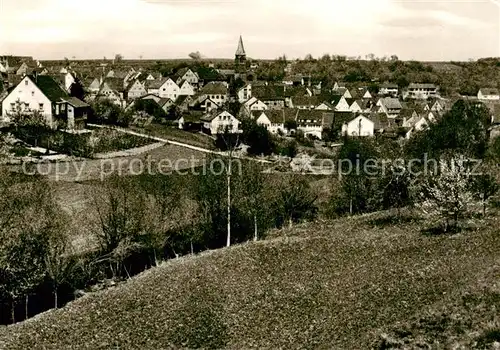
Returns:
(326, 284)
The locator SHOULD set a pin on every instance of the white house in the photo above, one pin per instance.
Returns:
(273, 121)
(488, 94)
(217, 122)
(245, 93)
(421, 91)
(312, 122)
(186, 74)
(341, 104)
(135, 89)
(325, 106)
(43, 95)
(169, 89)
(359, 126)
(389, 89)
(95, 85)
(254, 104)
(185, 88)
(390, 106)
(216, 91)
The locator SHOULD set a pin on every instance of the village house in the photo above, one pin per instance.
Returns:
(183, 102)
(253, 104)
(153, 86)
(43, 95)
(359, 126)
(112, 89)
(186, 74)
(169, 89)
(488, 94)
(341, 104)
(216, 122)
(135, 89)
(185, 88)
(273, 121)
(389, 89)
(94, 86)
(216, 91)
(325, 106)
(312, 122)
(244, 93)
(421, 91)
(342, 91)
(390, 106)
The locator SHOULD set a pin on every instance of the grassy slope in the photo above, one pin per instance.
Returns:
(327, 285)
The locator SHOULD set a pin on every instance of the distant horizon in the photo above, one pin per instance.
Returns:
(420, 30)
(187, 58)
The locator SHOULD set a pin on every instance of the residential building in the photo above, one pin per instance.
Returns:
(244, 93)
(359, 126)
(216, 122)
(185, 88)
(273, 121)
(421, 91)
(488, 94)
(216, 91)
(389, 89)
(44, 95)
(391, 106)
(135, 89)
(169, 89)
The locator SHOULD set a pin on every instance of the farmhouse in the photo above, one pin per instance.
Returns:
(216, 122)
(43, 95)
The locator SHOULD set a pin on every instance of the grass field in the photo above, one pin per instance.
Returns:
(325, 285)
(174, 134)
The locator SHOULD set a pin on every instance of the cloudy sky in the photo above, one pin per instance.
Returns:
(416, 29)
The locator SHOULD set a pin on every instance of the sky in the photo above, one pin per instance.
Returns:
(439, 30)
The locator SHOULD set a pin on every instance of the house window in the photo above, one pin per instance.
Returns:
(12, 106)
(32, 93)
(63, 107)
(26, 82)
(40, 106)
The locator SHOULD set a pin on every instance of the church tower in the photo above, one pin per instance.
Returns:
(240, 55)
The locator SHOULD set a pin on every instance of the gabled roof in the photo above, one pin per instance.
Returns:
(406, 113)
(214, 88)
(75, 102)
(115, 84)
(391, 103)
(305, 100)
(132, 83)
(339, 118)
(163, 101)
(313, 117)
(275, 116)
(155, 84)
(214, 114)
(49, 87)
(489, 91)
(290, 113)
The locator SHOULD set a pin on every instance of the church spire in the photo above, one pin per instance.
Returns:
(240, 51)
